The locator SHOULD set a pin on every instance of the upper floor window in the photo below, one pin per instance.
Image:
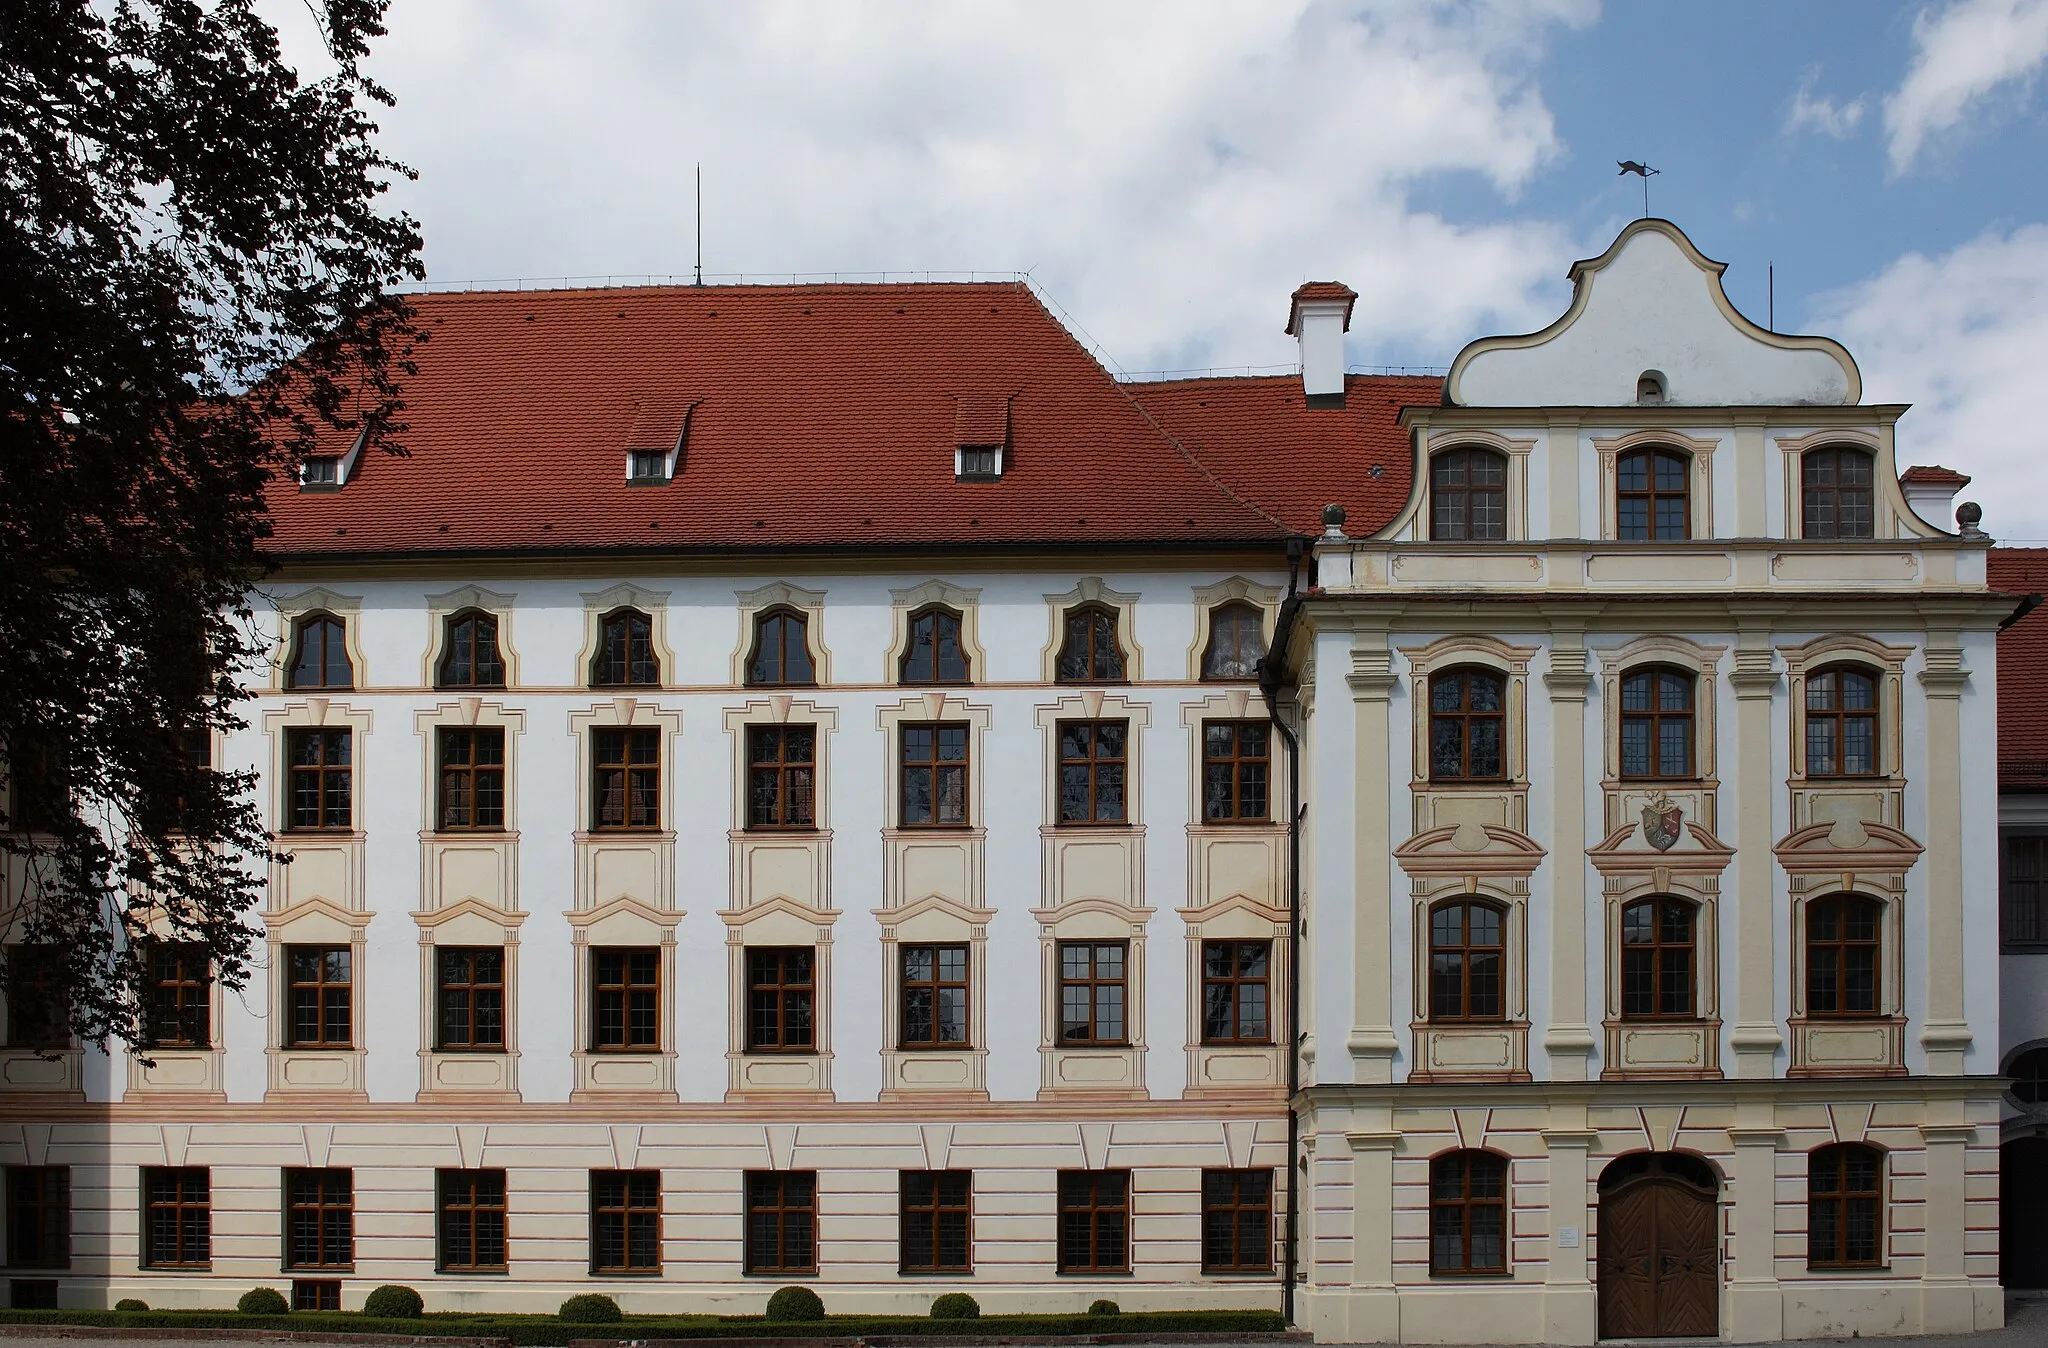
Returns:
(1237, 642)
(782, 991)
(1651, 502)
(470, 1007)
(1468, 1213)
(472, 659)
(781, 657)
(934, 653)
(1094, 756)
(2023, 882)
(1835, 493)
(1092, 992)
(1467, 962)
(178, 1013)
(319, 654)
(1845, 1207)
(1236, 762)
(1841, 723)
(1237, 992)
(38, 1015)
(1657, 959)
(1467, 726)
(321, 772)
(782, 776)
(1842, 945)
(934, 990)
(625, 651)
(1091, 652)
(933, 778)
(472, 778)
(627, 787)
(318, 997)
(1468, 493)
(1656, 723)
(626, 999)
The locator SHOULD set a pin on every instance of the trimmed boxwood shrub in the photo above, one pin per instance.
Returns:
(590, 1308)
(131, 1304)
(955, 1306)
(263, 1301)
(795, 1303)
(1104, 1306)
(393, 1302)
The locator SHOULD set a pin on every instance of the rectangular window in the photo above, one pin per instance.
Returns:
(321, 775)
(177, 1218)
(1236, 763)
(1092, 992)
(1095, 1221)
(1093, 758)
(471, 1232)
(180, 996)
(935, 996)
(1236, 991)
(36, 1014)
(472, 999)
(934, 781)
(782, 776)
(781, 998)
(782, 1221)
(934, 1216)
(625, 1221)
(316, 1294)
(318, 1001)
(647, 465)
(2023, 904)
(472, 779)
(32, 1294)
(38, 1216)
(320, 1219)
(627, 1013)
(627, 792)
(1237, 1221)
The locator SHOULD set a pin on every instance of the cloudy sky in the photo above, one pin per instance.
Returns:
(1167, 173)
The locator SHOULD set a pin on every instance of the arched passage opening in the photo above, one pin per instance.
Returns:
(1659, 1265)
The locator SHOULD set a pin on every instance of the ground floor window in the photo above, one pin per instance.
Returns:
(935, 1212)
(471, 1235)
(1468, 1213)
(1095, 1221)
(1237, 1221)
(782, 1221)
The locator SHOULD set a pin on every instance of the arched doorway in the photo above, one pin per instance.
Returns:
(2022, 1198)
(1659, 1247)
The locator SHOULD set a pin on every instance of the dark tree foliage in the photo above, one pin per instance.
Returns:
(193, 277)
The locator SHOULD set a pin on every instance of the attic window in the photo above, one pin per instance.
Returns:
(1649, 387)
(331, 472)
(981, 434)
(978, 463)
(321, 472)
(647, 465)
(657, 438)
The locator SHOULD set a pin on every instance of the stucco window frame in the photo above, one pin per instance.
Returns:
(1633, 1045)
(1812, 1033)
(1124, 606)
(183, 1072)
(1232, 590)
(755, 604)
(609, 1075)
(905, 604)
(1699, 482)
(442, 608)
(1512, 664)
(1888, 663)
(290, 609)
(780, 1075)
(1432, 1035)
(599, 604)
(1516, 451)
(316, 1074)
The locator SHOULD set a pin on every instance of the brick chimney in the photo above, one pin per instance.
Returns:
(1318, 319)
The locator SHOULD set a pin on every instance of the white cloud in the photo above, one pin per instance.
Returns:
(1960, 55)
(1823, 114)
(1168, 173)
(1963, 334)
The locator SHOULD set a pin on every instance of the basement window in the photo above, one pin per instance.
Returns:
(978, 463)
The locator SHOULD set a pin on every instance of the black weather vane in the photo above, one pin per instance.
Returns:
(1643, 171)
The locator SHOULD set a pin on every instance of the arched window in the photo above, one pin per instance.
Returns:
(1468, 1213)
(2029, 1073)
(934, 653)
(320, 654)
(1237, 642)
(1468, 493)
(1835, 493)
(1090, 652)
(1843, 943)
(1657, 960)
(1841, 722)
(625, 651)
(471, 659)
(1467, 962)
(782, 651)
(1467, 726)
(1651, 502)
(1656, 723)
(1845, 1207)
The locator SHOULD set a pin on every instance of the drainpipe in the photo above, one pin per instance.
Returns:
(1271, 670)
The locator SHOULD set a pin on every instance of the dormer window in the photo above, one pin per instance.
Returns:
(324, 472)
(981, 432)
(645, 467)
(978, 463)
(655, 443)
(331, 472)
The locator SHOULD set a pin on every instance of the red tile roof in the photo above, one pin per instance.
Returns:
(1320, 290)
(2022, 672)
(1934, 473)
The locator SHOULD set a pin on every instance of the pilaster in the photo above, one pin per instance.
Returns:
(1371, 1042)
(1756, 1037)
(1945, 1036)
(1571, 1309)
(1569, 1041)
(1756, 1301)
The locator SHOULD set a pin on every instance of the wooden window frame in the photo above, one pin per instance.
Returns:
(321, 993)
(332, 632)
(1093, 1196)
(168, 1197)
(938, 616)
(316, 1294)
(782, 773)
(924, 1203)
(1100, 658)
(1096, 769)
(1092, 982)
(477, 774)
(1658, 953)
(1840, 1204)
(624, 1204)
(1829, 676)
(1465, 1204)
(1812, 494)
(1844, 904)
(179, 1013)
(1246, 627)
(782, 992)
(615, 762)
(321, 772)
(631, 667)
(937, 985)
(1232, 1220)
(36, 1017)
(2023, 891)
(1240, 768)
(792, 629)
(1467, 494)
(482, 668)
(1655, 717)
(468, 1199)
(937, 768)
(324, 1198)
(629, 993)
(39, 1200)
(469, 996)
(1652, 495)
(1230, 988)
(785, 1196)
(1465, 718)
(1467, 949)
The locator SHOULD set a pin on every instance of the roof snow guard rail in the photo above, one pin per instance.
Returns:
(1268, 371)
(688, 279)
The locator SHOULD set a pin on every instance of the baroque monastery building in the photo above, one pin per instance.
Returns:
(824, 784)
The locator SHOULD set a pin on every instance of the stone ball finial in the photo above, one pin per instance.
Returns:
(1333, 520)
(1969, 516)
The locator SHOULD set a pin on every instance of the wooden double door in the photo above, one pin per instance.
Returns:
(1659, 1250)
